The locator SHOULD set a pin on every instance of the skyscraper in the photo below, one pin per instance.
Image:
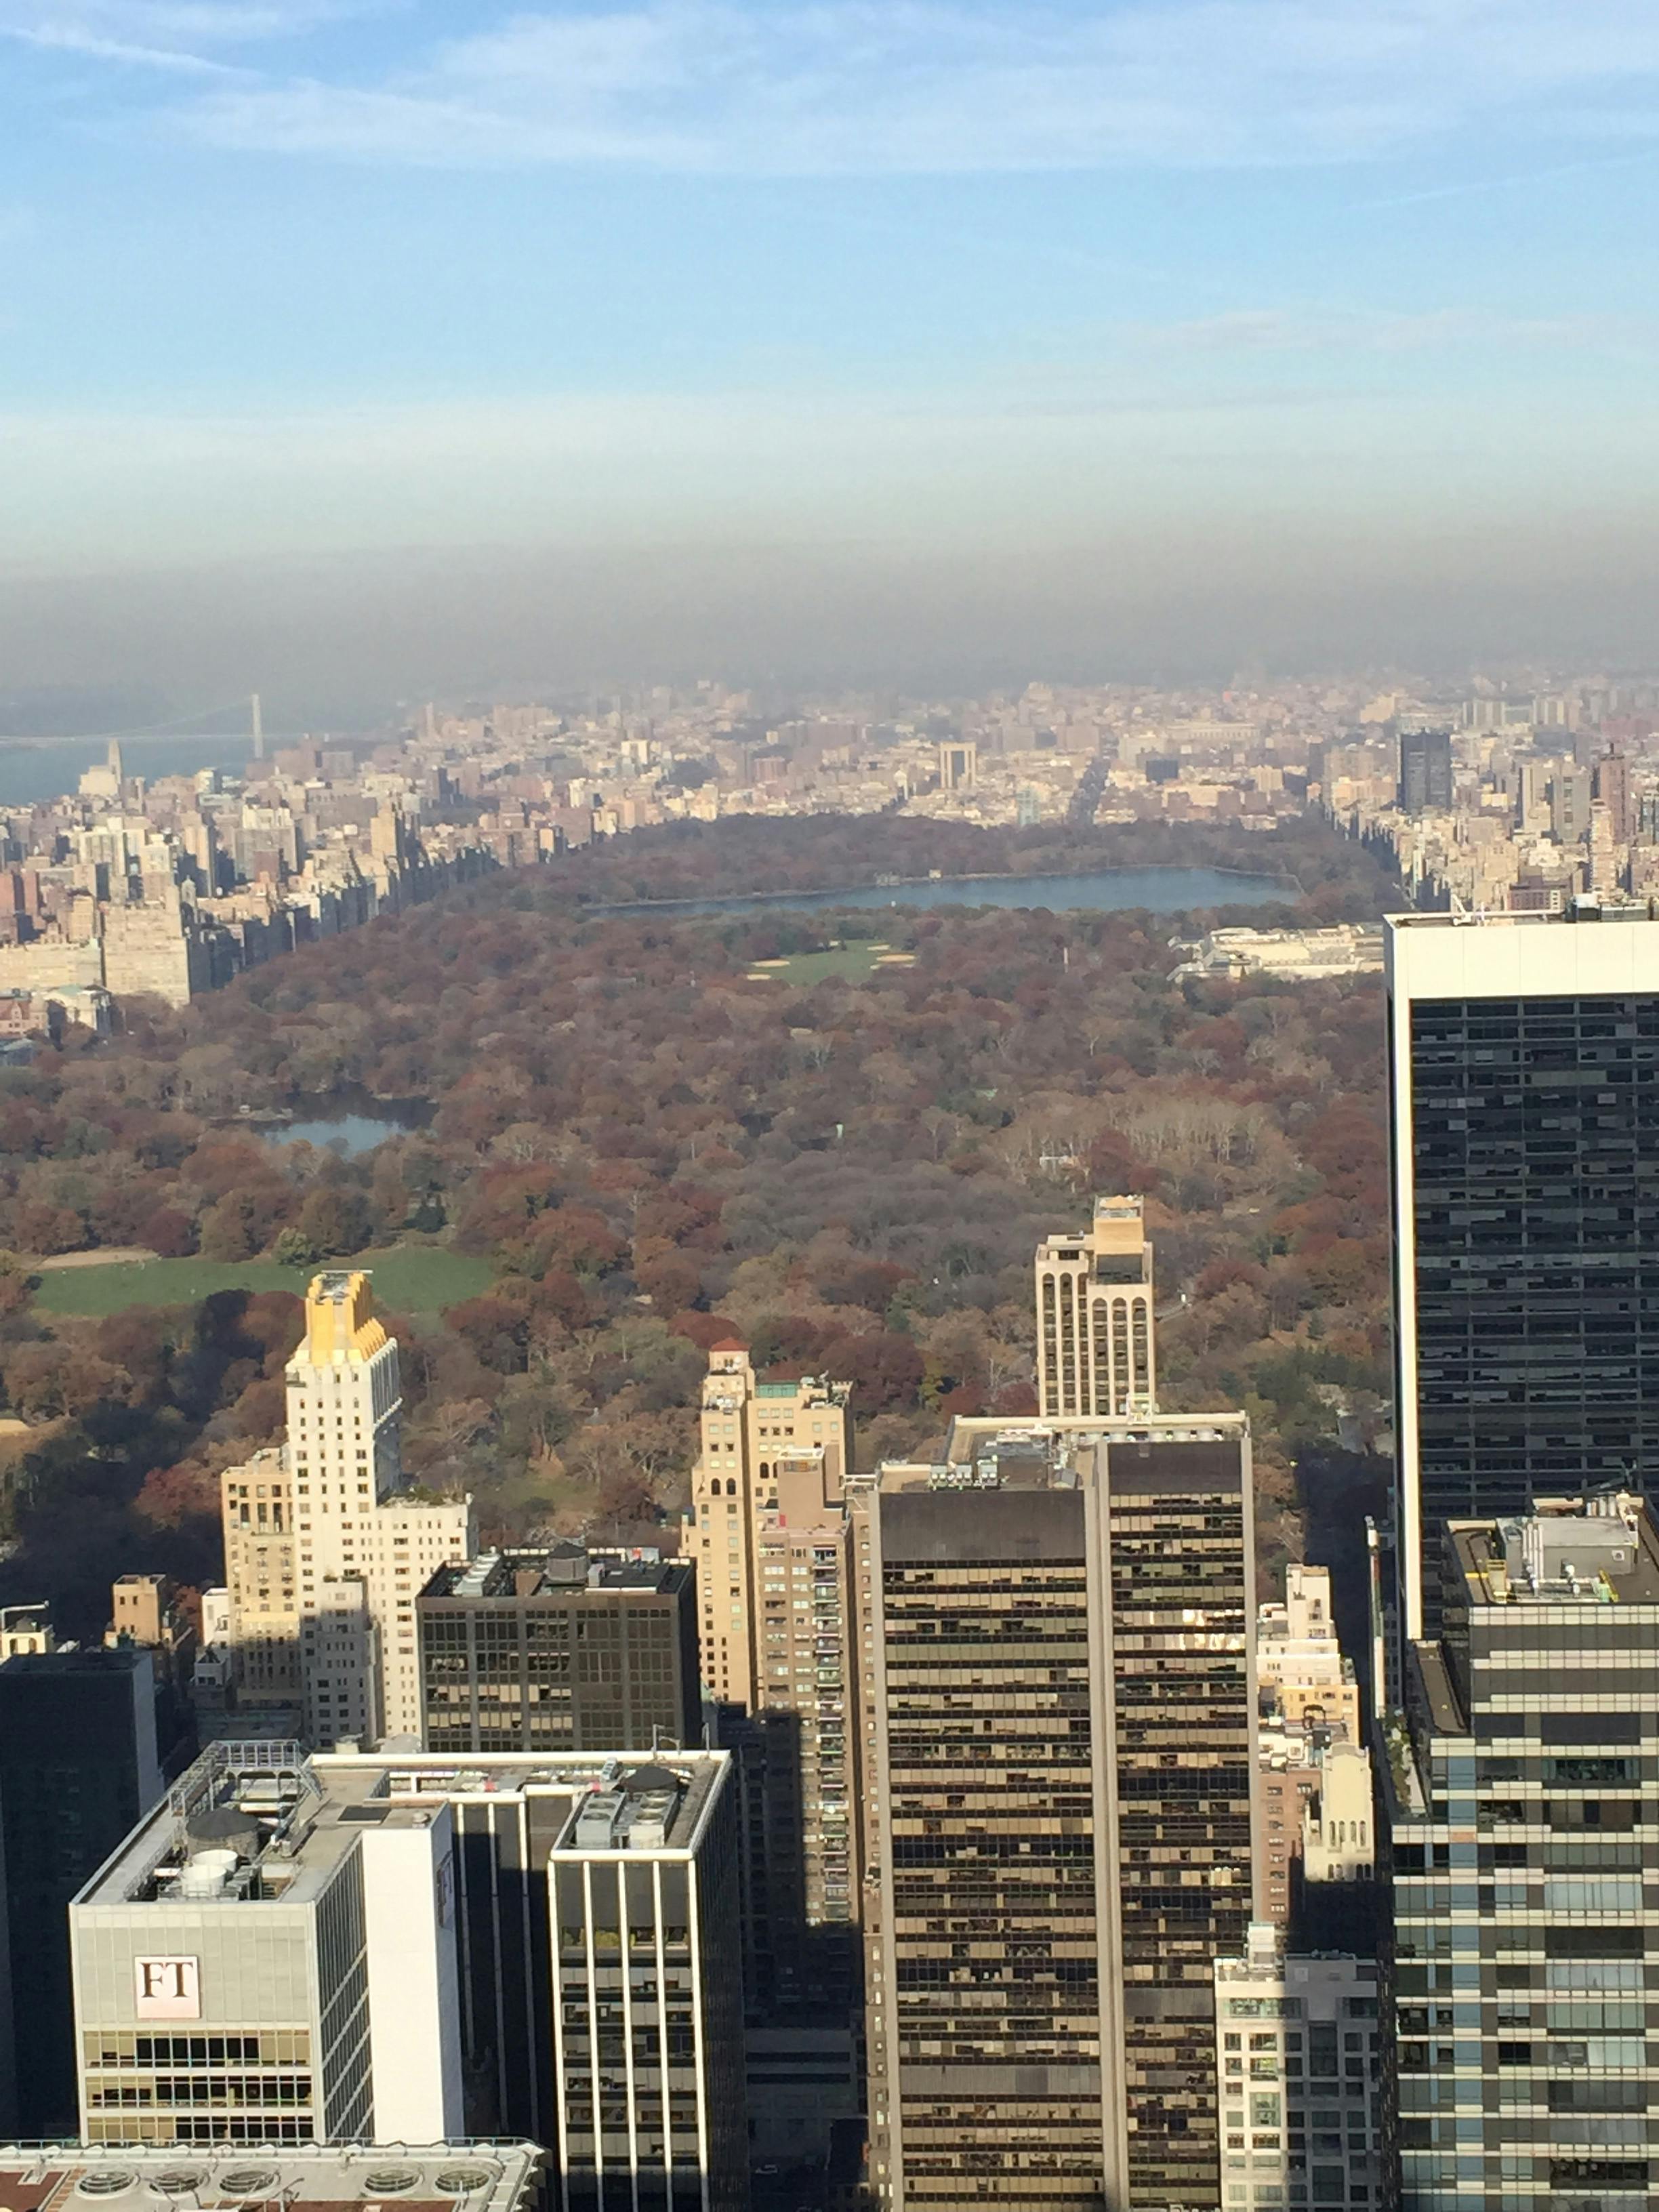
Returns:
(1058, 1714)
(1569, 803)
(1425, 771)
(256, 1504)
(326, 1543)
(750, 1430)
(767, 1530)
(1095, 1354)
(1525, 1804)
(958, 763)
(1613, 788)
(78, 1766)
(1524, 1095)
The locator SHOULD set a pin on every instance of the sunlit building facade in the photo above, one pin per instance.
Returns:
(1095, 1354)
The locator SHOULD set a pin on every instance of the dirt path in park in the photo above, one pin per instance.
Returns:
(107, 1255)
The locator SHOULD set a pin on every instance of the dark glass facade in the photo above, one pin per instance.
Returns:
(77, 1768)
(517, 1661)
(1535, 1139)
(994, 1882)
(1425, 770)
(1180, 1717)
(1062, 1740)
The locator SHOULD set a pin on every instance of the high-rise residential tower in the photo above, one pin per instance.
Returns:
(327, 1546)
(1524, 1094)
(256, 1502)
(1301, 2074)
(1058, 1713)
(1525, 1813)
(767, 1530)
(1096, 1353)
(1612, 789)
(754, 1434)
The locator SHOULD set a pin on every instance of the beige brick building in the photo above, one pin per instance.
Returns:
(257, 1504)
(769, 1533)
(1095, 1354)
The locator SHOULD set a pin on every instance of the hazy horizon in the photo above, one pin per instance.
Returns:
(344, 641)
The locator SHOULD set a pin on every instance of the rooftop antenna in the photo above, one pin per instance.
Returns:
(258, 727)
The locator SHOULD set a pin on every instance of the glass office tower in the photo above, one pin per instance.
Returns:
(1525, 1822)
(1524, 1087)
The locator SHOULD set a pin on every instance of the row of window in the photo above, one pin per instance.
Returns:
(270, 2046)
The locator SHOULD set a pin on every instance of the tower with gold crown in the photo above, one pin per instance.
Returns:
(327, 1545)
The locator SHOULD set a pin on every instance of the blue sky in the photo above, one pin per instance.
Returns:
(282, 275)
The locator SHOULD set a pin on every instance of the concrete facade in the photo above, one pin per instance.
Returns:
(1300, 2076)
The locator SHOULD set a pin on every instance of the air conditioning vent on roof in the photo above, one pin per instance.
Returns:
(105, 2185)
(389, 2180)
(177, 2181)
(248, 2181)
(462, 2181)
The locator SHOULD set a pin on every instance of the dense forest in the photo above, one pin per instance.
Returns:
(653, 1150)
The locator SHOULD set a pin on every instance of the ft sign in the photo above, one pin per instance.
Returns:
(166, 1989)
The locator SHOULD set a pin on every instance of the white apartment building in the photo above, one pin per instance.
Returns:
(1299, 1659)
(1299, 2077)
(327, 1543)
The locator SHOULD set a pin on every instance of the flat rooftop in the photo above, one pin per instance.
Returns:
(565, 1572)
(70, 1662)
(274, 1822)
(1560, 1558)
(1439, 1697)
(984, 1453)
(474, 2177)
(1578, 910)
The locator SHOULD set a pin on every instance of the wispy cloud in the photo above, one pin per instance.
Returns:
(180, 36)
(922, 86)
(94, 45)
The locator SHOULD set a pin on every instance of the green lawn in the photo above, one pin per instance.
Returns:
(419, 1278)
(854, 962)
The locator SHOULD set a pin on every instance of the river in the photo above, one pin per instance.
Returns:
(33, 771)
